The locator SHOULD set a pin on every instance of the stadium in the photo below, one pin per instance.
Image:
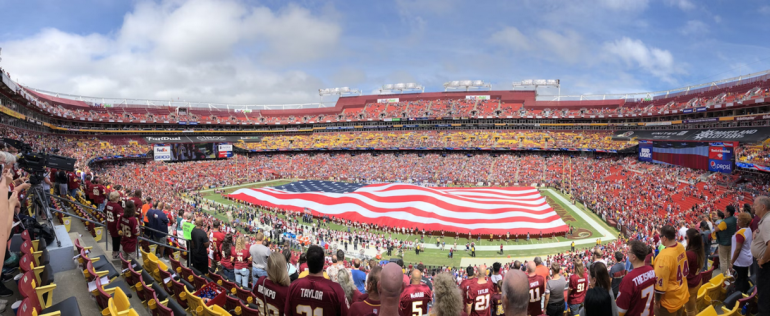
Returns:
(141, 206)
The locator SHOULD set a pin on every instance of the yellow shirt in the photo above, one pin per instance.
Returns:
(671, 269)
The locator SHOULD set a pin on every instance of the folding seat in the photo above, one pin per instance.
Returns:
(166, 308)
(92, 275)
(105, 268)
(213, 310)
(199, 281)
(247, 310)
(193, 302)
(38, 299)
(245, 295)
(180, 292)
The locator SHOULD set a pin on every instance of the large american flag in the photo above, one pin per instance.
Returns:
(490, 210)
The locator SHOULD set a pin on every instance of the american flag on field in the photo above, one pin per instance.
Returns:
(489, 210)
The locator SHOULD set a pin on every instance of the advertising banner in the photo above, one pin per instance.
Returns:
(200, 139)
(645, 151)
(720, 166)
(741, 134)
(225, 147)
(390, 100)
(162, 152)
(477, 97)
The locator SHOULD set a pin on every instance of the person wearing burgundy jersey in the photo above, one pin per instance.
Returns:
(536, 289)
(479, 294)
(99, 194)
(637, 289)
(226, 251)
(464, 285)
(497, 300)
(315, 295)
(216, 241)
(415, 297)
(578, 285)
(371, 304)
(241, 258)
(516, 293)
(129, 231)
(73, 183)
(112, 214)
(137, 198)
(271, 290)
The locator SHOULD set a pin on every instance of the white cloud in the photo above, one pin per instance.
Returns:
(567, 46)
(199, 50)
(684, 5)
(512, 38)
(626, 5)
(694, 27)
(634, 53)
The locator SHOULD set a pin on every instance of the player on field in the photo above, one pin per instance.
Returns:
(536, 290)
(479, 294)
(315, 295)
(415, 297)
(636, 291)
(671, 268)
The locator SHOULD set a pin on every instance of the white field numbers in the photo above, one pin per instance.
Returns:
(482, 302)
(306, 310)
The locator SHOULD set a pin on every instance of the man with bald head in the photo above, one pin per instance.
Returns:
(536, 289)
(479, 294)
(200, 245)
(515, 293)
(390, 286)
(759, 246)
(415, 297)
(370, 305)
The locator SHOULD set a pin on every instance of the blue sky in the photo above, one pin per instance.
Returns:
(275, 52)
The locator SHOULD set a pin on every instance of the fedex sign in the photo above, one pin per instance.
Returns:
(720, 166)
(162, 153)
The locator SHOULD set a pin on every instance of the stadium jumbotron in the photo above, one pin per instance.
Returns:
(298, 160)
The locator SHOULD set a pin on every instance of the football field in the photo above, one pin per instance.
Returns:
(588, 228)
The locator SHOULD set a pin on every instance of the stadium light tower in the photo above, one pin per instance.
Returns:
(338, 91)
(467, 84)
(400, 88)
(536, 83)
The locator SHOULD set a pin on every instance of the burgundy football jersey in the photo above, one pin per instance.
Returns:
(637, 291)
(497, 305)
(536, 291)
(316, 296)
(414, 300)
(578, 288)
(270, 297)
(365, 308)
(479, 296)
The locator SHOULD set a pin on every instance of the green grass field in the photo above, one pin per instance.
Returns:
(439, 257)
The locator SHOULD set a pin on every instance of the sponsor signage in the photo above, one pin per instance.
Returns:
(477, 97)
(742, 134)
(720, 166)
(225, 147)
(162, 152)
(200, 139)
(390, 100)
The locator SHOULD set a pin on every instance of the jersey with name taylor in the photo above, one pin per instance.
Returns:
(316, 296)
(480, 298)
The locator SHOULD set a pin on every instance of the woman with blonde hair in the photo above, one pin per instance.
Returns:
(346, 281)
(447, 298)
(241, 259)
(276, 283)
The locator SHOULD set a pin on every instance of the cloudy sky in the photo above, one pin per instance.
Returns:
(275, 52)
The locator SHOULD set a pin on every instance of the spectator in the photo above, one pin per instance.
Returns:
(159, 226)
(595, 302)
(391, 285)
(496, 277)
(540, 269)
(635, 297)
(671, 294)
(346, 281)
(536, 289)
(415, 297)
(759, 245)
(272, 290)
(291, 269)
(695, 259)
(741, 252)
(241, 263)
(725, 231)
(336, 265)
(359, 277)
(129, 231)
(259, 254)
(554, 292)
(515, 293)
(617, 272)
(200, 245)
(370, 305)
(578, 284)
(227, 251)
(113, 211)
(314, 294)
(425, 279)
(216, 237)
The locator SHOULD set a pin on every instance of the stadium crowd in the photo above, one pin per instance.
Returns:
(660, 208)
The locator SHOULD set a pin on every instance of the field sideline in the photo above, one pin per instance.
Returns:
(486, 251)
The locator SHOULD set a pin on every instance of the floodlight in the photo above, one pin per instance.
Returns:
(345, 89)
(478, 83)
(401, 87)
(338, 91)
(387, 87)
(411, 85)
